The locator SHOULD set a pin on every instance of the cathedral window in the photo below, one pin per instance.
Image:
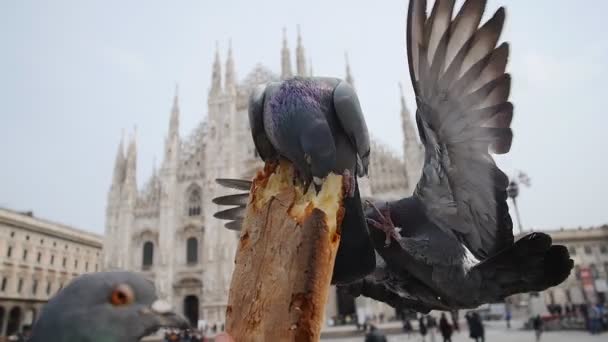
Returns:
(19, 285)
(192, 250)
(148, 255)
(194, 202)
(4, 281)
(9, 251)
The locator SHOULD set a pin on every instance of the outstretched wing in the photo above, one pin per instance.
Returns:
(239, 202)
(462, 92)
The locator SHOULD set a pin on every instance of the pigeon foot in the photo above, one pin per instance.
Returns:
(386, 224)
(349, 183)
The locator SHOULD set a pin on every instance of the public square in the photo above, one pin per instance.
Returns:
(495, 332)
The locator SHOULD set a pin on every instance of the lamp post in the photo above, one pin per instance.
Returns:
(513, 192)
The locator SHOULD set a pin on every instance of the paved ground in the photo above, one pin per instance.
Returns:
(495, 333)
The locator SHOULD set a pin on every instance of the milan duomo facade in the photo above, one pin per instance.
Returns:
(167, 231)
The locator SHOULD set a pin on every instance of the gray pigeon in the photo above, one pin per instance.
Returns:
(317, 124)
(455, 233)
(104, 307)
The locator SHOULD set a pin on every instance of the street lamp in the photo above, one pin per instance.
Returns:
(513, 192)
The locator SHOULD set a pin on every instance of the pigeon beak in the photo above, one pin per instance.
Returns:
(318, 183)
(166, 317)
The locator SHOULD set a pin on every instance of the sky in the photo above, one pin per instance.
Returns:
(76, 74)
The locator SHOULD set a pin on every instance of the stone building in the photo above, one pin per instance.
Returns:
(166, 229)
(37, 258)
(588, 282)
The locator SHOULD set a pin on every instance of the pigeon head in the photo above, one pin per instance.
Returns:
(319, 150)
(304, 102)
(105, 307)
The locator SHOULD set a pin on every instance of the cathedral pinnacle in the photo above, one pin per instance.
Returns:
(349, 76)
(131, 168)
(310, 71)
(119, 164)
(216, 74)
(230, 78)
(300, 56)
(409, 130)
(174, 121)
(285, 58)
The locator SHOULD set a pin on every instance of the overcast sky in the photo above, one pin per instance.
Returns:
(73, 74)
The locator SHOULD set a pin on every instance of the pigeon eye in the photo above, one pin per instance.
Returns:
(122, 295)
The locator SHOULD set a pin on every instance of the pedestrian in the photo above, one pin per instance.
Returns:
(537, 323)
(422, 327)
(595, 319)
(508, 318)
(455, 324)
(431, 324)
(407, 327)
(445, 328)
(476, 331)
(375, 335)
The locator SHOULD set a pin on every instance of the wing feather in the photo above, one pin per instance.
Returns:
(464, 114)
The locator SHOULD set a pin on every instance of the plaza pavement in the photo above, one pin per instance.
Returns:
(495, 332)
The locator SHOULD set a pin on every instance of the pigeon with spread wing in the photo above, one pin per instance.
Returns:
(454, 235)
(451, 245)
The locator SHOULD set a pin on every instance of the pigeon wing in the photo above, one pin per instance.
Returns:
(462, 90)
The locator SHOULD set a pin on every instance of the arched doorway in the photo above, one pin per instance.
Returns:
(14, 320)
(191, 309)
(148, 255)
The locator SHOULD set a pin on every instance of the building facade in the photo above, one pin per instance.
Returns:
(38, 258)
(588, 282)
(166, 229)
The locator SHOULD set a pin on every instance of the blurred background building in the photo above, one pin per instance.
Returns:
(588, 282)
(38, 258)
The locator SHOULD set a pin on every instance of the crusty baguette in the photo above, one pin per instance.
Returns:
(285, 258)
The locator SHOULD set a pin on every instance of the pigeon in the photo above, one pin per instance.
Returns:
(317, 124)
(450, 245)
(454, 234)
(113, 306)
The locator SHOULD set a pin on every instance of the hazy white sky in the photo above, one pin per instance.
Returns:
(74, 73)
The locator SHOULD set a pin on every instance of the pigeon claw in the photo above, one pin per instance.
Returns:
(348, 181)
(384, 224)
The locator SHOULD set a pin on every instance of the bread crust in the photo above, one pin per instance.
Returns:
(285, 258)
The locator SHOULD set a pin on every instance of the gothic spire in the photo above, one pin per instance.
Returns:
(230, 78)
(300, 56)
(130, 173)
(216, 75)
(349, 76)
(174, 121)
(405, 114)
(310, 71)
(119, 164)
(285, 58)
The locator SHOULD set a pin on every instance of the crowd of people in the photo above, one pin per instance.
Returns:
(592, 317)
(429, 327)
(184, 336)
(193, 335)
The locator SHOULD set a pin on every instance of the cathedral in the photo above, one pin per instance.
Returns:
(166, 230)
